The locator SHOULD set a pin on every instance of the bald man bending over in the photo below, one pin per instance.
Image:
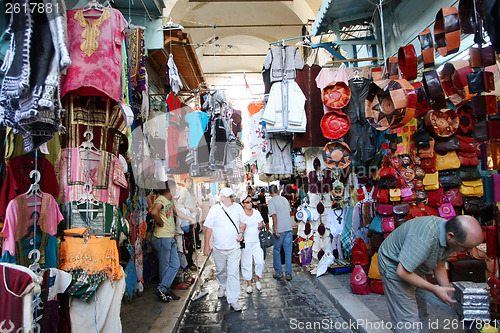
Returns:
(417, 247)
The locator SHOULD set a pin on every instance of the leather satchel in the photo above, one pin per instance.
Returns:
(400, 209)
(468, 159)
(435, 198)
(445, 145)
(385, 209)
(450, 178)
(468, 269)
(427, 152)
(383, 195)
(429, 164)
(469, 173)
(388, 224)
(472, 188)
(407, 194)
(359, 253)
(481, 131)
(473, 205)
(395, 194)
(453, 196)
(431, 181)
(467, 144)
(447, 162)
(494, 129)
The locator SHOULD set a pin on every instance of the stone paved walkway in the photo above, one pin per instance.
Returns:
(282, 306)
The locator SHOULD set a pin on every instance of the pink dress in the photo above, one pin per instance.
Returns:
(106, 177)
(19, 219)
(94, 45)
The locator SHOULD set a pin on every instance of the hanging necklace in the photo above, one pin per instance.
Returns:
(339, 216)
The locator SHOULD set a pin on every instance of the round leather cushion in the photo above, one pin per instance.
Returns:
(335, 125)
(336, 95)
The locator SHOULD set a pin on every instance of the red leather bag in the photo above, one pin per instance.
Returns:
(359, 253)
(377, 287)
(383, 195)
(359, 281)
(385, 209)
(388, 224)
(429, 164)
(435, 198)
(453, 196)
(468, 159)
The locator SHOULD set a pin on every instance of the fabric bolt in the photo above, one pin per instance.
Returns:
(284, 111)
(103, 39)
(283, 61)
(17, 179)
(108, 304)
(19, 217)
(16, 285)
(223, 231)
(135, 41)
(407, 305)
(419, 245)
(198, 122)
(281, 207)
(107, 218)
(251, 251)
(286, 241)
(107, 177)
(227, 264)
(45, 243)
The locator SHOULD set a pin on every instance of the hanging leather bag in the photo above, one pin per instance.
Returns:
(450, 178)
(359, 281)
(431, 181)
(359, 253)
(472, 188)
(445, 145)
(429, 164)
(427, 152)
(388, 224)
(447, 162)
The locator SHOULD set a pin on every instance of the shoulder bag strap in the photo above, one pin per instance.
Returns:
(230, 219)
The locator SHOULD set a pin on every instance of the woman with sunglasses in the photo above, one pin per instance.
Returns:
(253, 221)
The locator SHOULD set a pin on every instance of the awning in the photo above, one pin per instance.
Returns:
(345, 12)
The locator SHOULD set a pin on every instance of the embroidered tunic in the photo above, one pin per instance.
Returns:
(95, 49)
(107, 178)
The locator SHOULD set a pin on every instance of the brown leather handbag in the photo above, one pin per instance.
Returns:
(429, 151)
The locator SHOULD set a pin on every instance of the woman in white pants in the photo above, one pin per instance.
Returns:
(253, 221)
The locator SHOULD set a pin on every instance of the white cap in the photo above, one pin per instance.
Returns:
(227, 192)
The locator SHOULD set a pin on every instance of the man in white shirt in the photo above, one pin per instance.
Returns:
(224, 222)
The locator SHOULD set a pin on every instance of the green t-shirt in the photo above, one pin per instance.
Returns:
(419, 245)
(167, 216)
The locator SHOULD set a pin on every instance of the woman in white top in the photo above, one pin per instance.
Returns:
(253, 221)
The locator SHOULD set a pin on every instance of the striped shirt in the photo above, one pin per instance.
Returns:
(419, 245)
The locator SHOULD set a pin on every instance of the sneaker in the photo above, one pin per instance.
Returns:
(162, 296)
(221, 293)
(278, 276)
(171, 295)
(236, 306)
(180, 286)
(249, 289)
(258, 285)
(289, 277)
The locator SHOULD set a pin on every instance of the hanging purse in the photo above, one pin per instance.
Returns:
(472, 188)
(266, 238)
(422, 138)
(480, 81)
(450, 178)
(385, 209)
(376, 224)
(401, 209)
(395, 194)
(431, 181)
(447, 162)
(446, 210)
(484, 104)
(427, 152)
(445, 145)
(469, 173)
(468, 159)
(359, 281)
(467, 144)
(383, 195)
(481, 132)
(435, 198)
(453, 196)
(429, 164)
(407, 194)
(388, 224)
(494, 129)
